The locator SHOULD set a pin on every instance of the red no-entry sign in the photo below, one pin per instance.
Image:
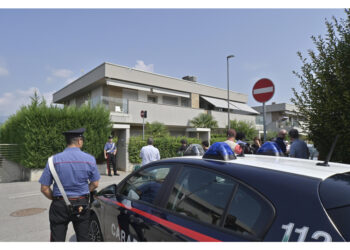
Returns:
(263, 90)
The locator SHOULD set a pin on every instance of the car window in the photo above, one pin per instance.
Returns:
(249, 213)
(145, 184)
(201, 195)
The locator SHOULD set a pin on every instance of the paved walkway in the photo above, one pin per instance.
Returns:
(18, 196)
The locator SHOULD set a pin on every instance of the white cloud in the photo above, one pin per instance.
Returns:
(3, 71)
(72, 79)
(57, 75)
(49, 79)
(140, 65)
(62, 73)
(254, 66)
(10, 102)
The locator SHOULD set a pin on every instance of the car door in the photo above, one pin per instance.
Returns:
(206, 205)
(102, 205)
(132, 211)
(196, 204)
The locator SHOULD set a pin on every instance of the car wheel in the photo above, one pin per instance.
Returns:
(95, 233)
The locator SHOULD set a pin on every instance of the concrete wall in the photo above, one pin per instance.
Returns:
(194, 101)
(171, 115)
(123, 152)
(10, 171)
(167, 114)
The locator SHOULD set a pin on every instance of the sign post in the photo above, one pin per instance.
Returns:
(143, 115)
(263, 91)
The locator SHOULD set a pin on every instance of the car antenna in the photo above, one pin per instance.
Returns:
(325, 163)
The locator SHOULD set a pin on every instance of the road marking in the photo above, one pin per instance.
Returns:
(263, 90)
(23, 195)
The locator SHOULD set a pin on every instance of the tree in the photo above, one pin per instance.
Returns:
(156, 129)
(246, 127)
(204, 121)
(325, 97)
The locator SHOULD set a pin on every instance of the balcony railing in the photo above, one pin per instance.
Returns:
(118, 105)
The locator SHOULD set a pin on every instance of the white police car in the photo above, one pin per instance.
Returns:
(251, 198)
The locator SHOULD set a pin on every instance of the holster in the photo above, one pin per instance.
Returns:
(77, 208)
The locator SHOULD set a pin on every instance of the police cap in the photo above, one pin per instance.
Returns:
(74, 133)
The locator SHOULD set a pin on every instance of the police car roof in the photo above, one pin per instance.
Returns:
(285, 164)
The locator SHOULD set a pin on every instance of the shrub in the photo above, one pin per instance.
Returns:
(246, 127)
(156, 129)
(217, 139)
(167, 146)
(38, 129)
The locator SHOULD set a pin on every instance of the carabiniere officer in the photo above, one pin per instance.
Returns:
(79, 176)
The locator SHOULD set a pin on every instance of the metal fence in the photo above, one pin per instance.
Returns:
(9, 152)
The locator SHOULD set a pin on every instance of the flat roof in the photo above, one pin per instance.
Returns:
(289, 165)
(169, 77)
(113, 71)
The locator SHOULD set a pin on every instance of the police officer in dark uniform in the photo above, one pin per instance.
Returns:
(79, 176)
(110, 151)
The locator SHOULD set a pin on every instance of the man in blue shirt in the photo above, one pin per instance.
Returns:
(79, 176)
(110, 150)
(298, 148)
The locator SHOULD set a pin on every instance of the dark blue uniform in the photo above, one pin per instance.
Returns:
(75, 170)
(110, 149)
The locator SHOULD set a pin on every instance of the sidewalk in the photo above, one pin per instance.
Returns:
(17, 196)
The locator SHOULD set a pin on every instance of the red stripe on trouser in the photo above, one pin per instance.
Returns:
(108, 167)
(183, 230)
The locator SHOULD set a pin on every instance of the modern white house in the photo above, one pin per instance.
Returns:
(278, 116)
(171, 101)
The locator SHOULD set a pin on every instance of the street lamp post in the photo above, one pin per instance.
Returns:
(228, 93)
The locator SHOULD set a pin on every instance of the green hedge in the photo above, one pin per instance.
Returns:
(38, 129)
(217, 139)
(168, 146)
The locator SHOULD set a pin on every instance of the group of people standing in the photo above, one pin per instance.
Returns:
(236, 141)
(297, 149)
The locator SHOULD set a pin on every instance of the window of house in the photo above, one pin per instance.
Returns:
(152, 98)
(259, 119)
(130, 94)
(83, 99)
(249, 213)
(170, 100)
(146, 184)
(185, 102)
(201, 195)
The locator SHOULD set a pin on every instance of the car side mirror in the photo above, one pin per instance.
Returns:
(109, 191)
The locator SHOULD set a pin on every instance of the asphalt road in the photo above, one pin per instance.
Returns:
(24, 211)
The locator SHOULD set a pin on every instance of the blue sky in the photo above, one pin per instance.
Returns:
(45, 49)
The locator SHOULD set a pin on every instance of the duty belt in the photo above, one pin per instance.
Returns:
(72, 198)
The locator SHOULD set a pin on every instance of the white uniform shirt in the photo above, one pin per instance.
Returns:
(148, 154)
